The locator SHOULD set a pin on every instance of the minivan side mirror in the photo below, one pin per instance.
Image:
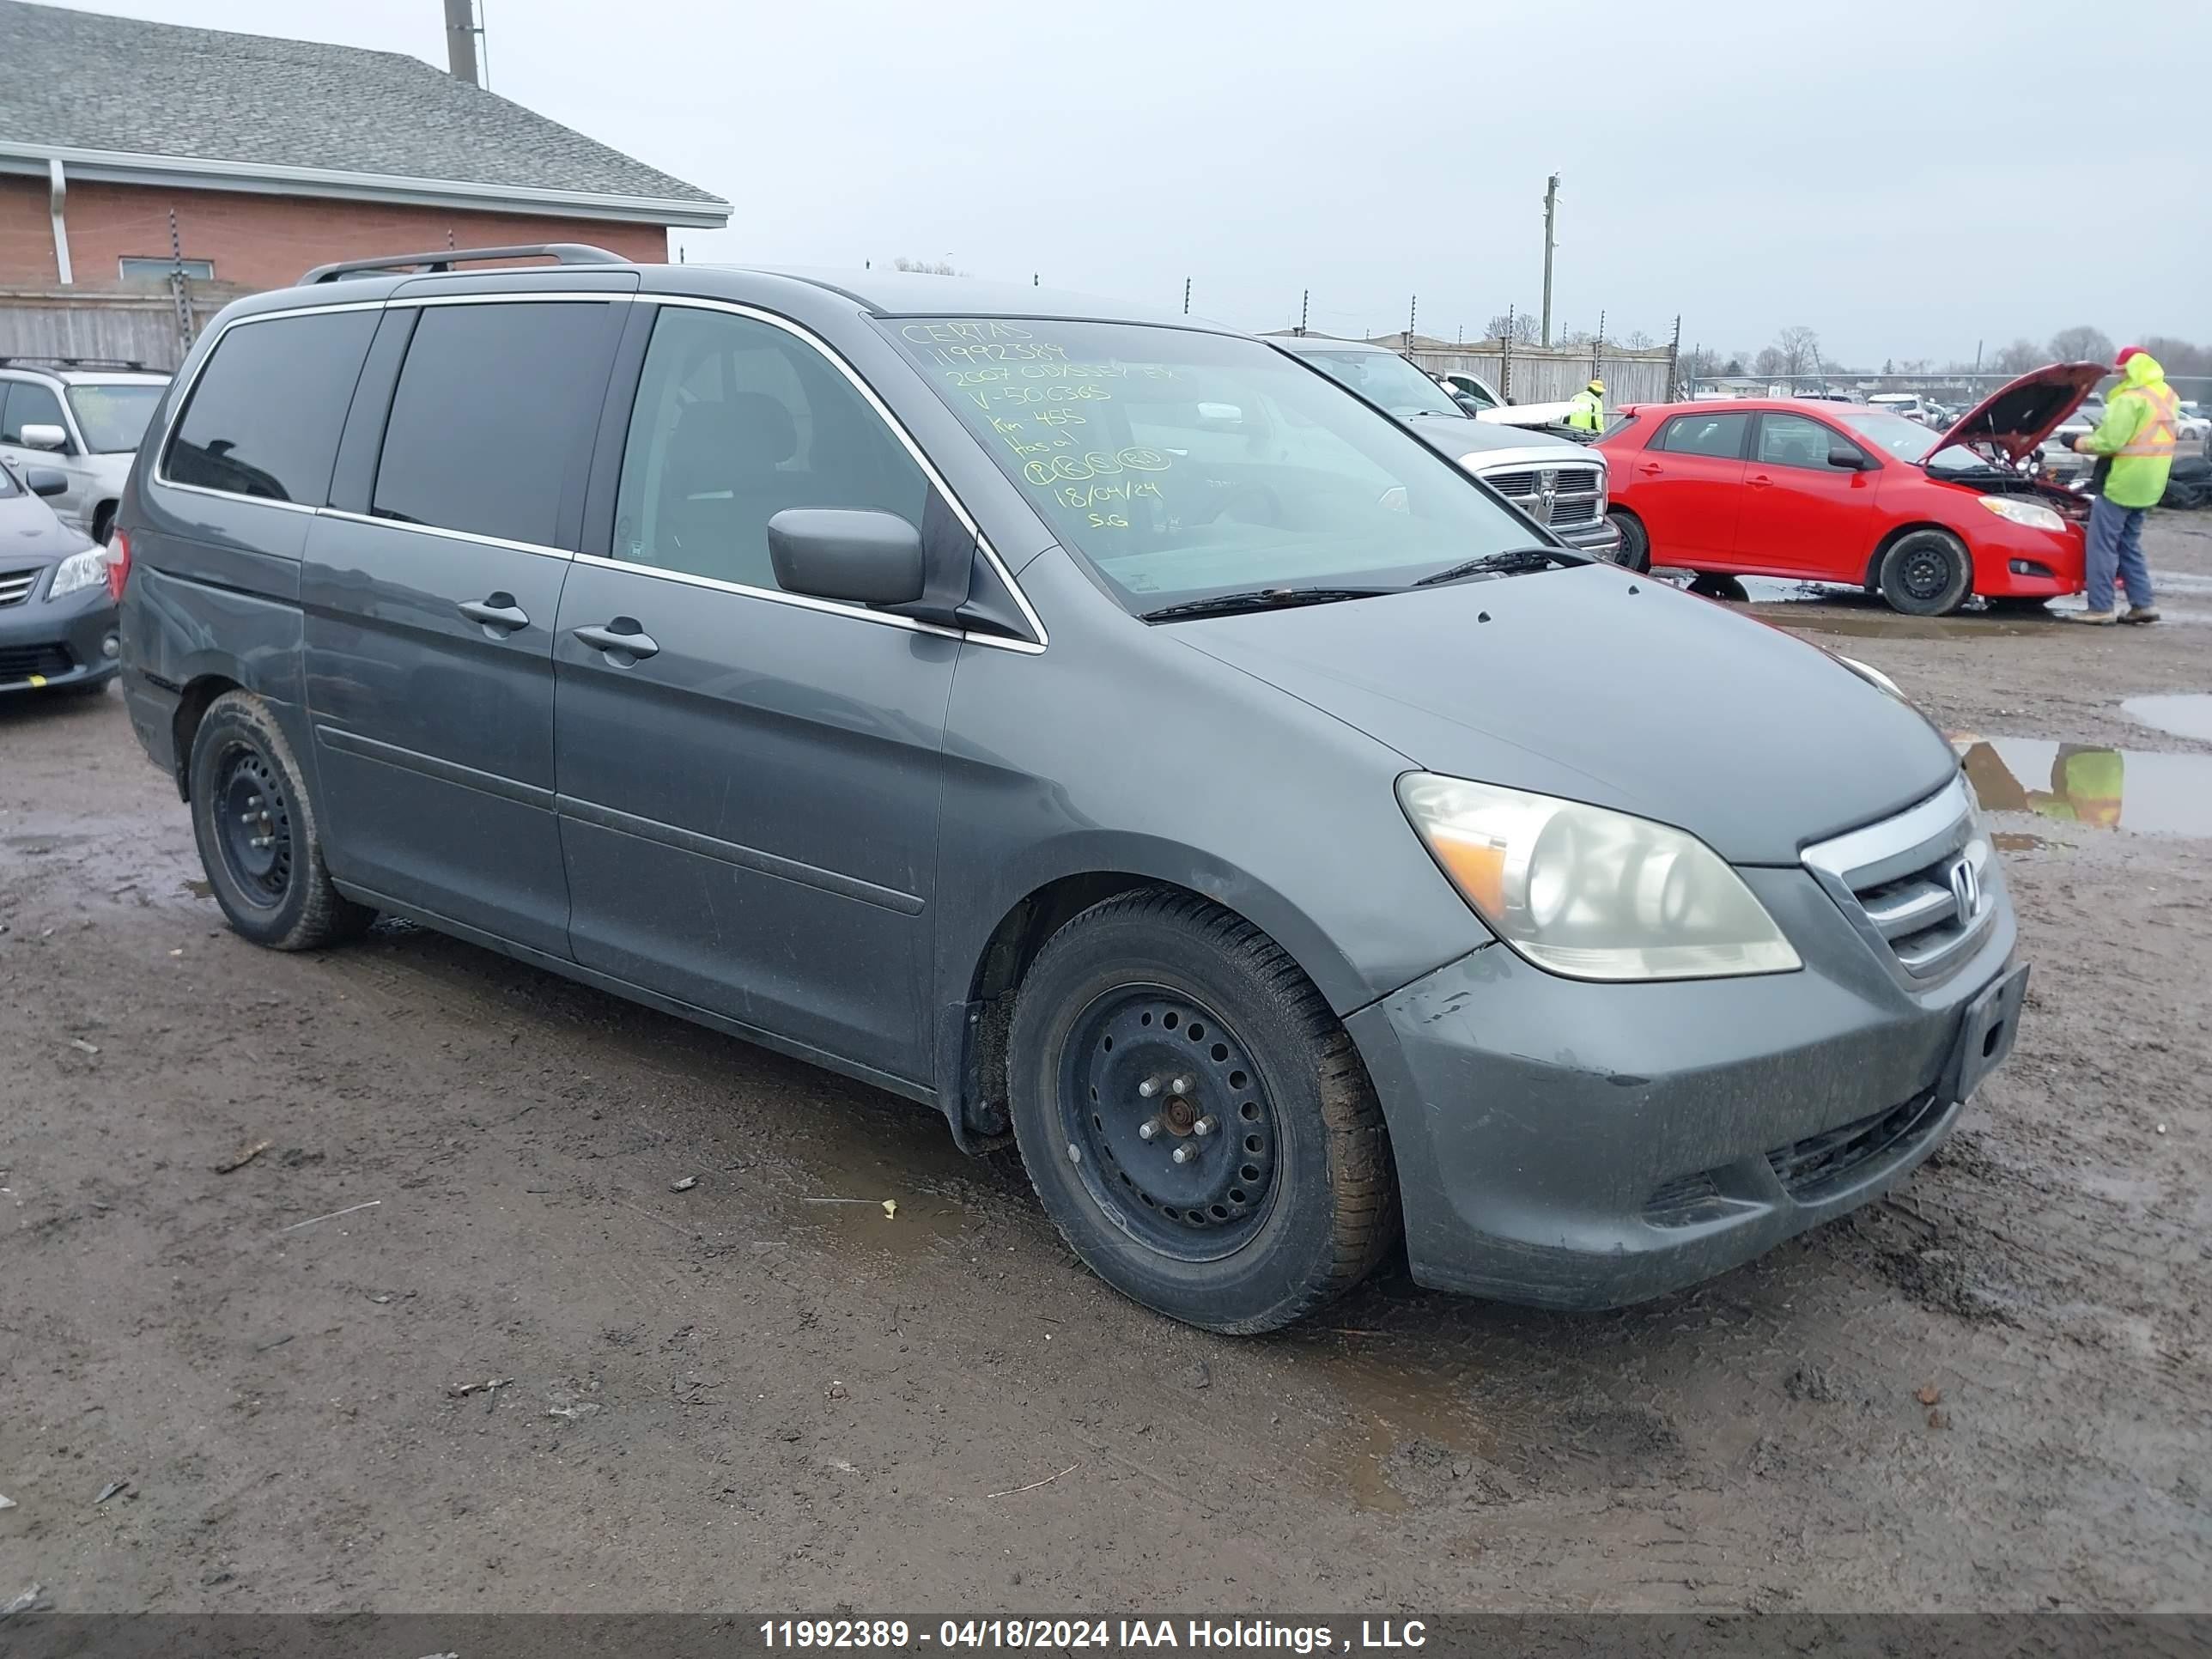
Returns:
(837, 553)
(44, 434)
(1845, 458)
(46, 481)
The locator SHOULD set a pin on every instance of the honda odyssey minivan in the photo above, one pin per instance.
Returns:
(1097, 725)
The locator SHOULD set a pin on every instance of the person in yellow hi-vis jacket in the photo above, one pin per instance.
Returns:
(2137, 432)
(1586, 409)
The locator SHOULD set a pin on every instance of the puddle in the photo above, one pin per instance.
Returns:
(1818, 608)
(2088, 784)
(2012, 840)
(2186, 715)
(1410, 1424)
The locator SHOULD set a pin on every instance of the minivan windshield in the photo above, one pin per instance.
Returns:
(1385, 378)
(113, 418)
(1181, 463)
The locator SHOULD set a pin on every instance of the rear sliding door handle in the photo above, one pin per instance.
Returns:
(499, 612)
(621, 636)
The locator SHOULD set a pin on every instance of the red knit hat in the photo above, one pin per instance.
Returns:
(2126, 352)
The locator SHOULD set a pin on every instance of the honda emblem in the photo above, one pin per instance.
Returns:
(1966, 889)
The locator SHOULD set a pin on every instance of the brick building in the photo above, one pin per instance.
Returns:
(273, 156)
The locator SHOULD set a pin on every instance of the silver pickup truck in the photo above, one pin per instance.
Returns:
(1560, 484)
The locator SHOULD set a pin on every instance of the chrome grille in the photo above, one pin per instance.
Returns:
(15, 585)
(1919, 887)
(1570, 494)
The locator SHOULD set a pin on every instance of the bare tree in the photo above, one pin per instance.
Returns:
(1523, 327)
(2082, 344)
(2018, 357)
(1771, 360)
(1637, 340)
(927, 267)
(2179, 356)
(1800, 348)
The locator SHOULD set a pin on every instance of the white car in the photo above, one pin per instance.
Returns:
(83, 419)
(1910, 405)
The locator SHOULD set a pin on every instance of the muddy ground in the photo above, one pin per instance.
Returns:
(1989, 1391)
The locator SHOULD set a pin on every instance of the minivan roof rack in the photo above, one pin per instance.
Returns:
(564, 253)
(132, 364)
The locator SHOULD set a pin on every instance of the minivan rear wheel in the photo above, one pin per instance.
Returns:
(1195, 1118)
(256, 832)
(1926, 572)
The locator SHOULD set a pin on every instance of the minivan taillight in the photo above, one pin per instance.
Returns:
(118, 564)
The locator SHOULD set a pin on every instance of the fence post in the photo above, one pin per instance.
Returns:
(1674, 362)
(1505, 359)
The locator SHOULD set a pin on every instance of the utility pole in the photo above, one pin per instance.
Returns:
(461, 33)
(1186, 296)
(1551, 210)
(179, 294)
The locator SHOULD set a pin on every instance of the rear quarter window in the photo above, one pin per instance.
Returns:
(264, 417)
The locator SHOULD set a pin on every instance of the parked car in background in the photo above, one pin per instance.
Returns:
(1556, 481)
(965, 688)
(82, 417)
(1910, 405)
(57, 626)
(1471, 393)
(1861, 496)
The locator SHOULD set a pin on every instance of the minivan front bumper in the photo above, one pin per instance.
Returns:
(1581, 1145)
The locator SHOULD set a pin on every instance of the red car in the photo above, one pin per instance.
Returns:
(1839, 492)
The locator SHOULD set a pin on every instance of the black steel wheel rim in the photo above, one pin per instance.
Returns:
(1926, 572)
(1166, 1121)
(254, 826)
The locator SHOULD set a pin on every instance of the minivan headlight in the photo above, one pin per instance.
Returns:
(1591, 894)
(2034, 515)
(79, 570)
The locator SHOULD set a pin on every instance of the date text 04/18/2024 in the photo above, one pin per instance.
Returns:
(1100, 1634)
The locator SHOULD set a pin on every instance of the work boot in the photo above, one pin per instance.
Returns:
(2141, 613)
(2095, 618)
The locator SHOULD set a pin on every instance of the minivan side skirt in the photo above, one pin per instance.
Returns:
(568, 968)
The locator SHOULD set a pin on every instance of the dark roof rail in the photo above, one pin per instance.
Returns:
(564, 253)
(131, 364)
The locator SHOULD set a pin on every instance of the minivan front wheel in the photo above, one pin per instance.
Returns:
(1926, 574)
(1195, 1118)
(256, 832)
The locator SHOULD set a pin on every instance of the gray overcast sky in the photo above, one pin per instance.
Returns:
(1907, 178)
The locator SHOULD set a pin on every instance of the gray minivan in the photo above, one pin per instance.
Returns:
(1097, 725)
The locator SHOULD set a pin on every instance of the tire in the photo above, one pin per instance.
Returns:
(1708, 585)
(1285, 1204)
(1926, 572)
(268, 873)
(1635, 550)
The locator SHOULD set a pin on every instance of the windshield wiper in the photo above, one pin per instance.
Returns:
(1260, 598)
(1512, 562)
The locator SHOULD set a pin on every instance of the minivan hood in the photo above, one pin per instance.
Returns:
(1596, 685)
(2014, 420)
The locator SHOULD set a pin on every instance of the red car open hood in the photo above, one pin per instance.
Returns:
(2014, 420)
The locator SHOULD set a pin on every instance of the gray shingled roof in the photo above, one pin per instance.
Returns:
(84, 80)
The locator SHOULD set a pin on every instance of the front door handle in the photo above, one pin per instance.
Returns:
(497, 611)
(621, 637)
(1758, 481)
(1650, 469)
